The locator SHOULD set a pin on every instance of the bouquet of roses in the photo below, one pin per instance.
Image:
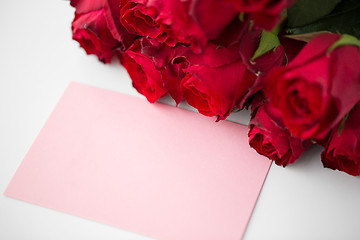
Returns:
(295, 64)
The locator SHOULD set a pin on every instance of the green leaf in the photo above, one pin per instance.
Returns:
(345, 40)
(268, 41)
(304, 12)
(342, 124)
(344, 19)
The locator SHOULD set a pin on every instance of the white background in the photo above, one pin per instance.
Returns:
(38, 59)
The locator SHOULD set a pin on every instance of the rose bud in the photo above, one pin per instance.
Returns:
(314, 92)
(216, 81)
(176, 21)
(265, 13)
(95, 28)
(271, 140)
(154, 69)
(342, 151)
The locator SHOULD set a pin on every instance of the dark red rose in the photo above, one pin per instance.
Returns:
(95, 28)
(314, 92)
(216, 81)
(90, 30)
(271, 140)
(342, 152)
(266, 13)
(155, 69)
(176, 21)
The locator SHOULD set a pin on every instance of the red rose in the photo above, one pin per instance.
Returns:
(271, 140)
(266, 13)
(342, 151)
(96, 30)
(154, 69)
(216, 81)
(314, 92)
(176, 21)
(90, 30)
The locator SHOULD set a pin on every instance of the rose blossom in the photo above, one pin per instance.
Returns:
(177, 21)
(342, 150)
(272, 140)
(96, 30)
(216, 81)
(266, 13)
(90, 30)
(314, 92)
(155, 69)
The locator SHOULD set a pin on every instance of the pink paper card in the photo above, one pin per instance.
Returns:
(157, 170)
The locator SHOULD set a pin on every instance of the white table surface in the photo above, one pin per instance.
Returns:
(38, 59)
